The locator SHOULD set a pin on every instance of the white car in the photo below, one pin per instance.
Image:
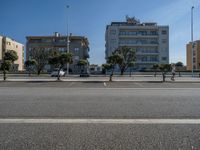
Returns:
(55, 73)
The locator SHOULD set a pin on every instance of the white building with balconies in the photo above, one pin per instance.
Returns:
(150, 41)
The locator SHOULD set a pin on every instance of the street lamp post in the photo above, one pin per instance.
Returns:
(192, 41)
(67, 37)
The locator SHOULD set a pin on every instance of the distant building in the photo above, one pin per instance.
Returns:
(95, 69)
(79, 47)
(196, 55)
(7, 44)
(150, 41)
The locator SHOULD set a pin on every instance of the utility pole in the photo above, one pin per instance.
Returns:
(192, 40)
(67, 36)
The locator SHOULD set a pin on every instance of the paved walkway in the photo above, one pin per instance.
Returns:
(136, 78)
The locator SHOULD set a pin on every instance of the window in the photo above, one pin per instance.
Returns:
(153, 42)
(76, 49)
(164, 58)
(164, 41)
(113, 32)
(35, 40)
(46, 40)
(132, 33)
(76, 58)
(62, 40)
(61, 49)
(153, 33)
(153, 58)
(164, 32)
(16, 46)
(122, 33)
(48, 49)
(144, 59)
(113, 41)
(142, 32)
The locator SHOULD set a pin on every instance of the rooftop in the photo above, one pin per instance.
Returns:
(57, 35)
(133, 22)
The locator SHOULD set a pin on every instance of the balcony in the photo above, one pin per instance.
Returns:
(147, 53)
(138, 36)
(139, 44)
(146, 62)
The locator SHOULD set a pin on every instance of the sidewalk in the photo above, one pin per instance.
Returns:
(136, 78)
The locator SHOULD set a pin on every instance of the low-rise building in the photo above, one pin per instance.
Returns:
(78, 46)
(196, 55)
(7, 44)
(95, 69)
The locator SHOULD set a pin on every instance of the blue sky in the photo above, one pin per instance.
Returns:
(20, 18)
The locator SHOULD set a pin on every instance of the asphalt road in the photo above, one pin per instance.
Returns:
(99, 101)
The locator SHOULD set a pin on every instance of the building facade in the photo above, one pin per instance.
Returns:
(196, 55)
(7, 44)
(95, 69)
(78, 46)
(150, 41)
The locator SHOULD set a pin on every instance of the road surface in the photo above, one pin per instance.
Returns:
(99, 116)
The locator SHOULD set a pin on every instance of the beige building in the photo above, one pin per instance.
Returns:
(78, 46)
(7, 44)
(196, 55)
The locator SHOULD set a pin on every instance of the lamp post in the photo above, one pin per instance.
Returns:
(192, 41)
(67, 37)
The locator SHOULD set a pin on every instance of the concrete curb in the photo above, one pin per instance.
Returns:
(99, 81)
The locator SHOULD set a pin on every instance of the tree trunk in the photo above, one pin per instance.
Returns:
(122, 71)
(58, 76)
(4, 75)
(38, 72)
(111, 75)
(163, 75)
(155, 74)
(29, 72)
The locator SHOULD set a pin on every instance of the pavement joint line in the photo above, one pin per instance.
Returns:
(99, 121)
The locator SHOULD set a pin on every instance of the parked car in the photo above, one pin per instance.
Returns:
(54, 73)
(84, 74)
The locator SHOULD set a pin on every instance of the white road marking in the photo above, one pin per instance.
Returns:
(99, 121)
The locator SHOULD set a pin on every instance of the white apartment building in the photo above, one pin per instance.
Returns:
(150, 41)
